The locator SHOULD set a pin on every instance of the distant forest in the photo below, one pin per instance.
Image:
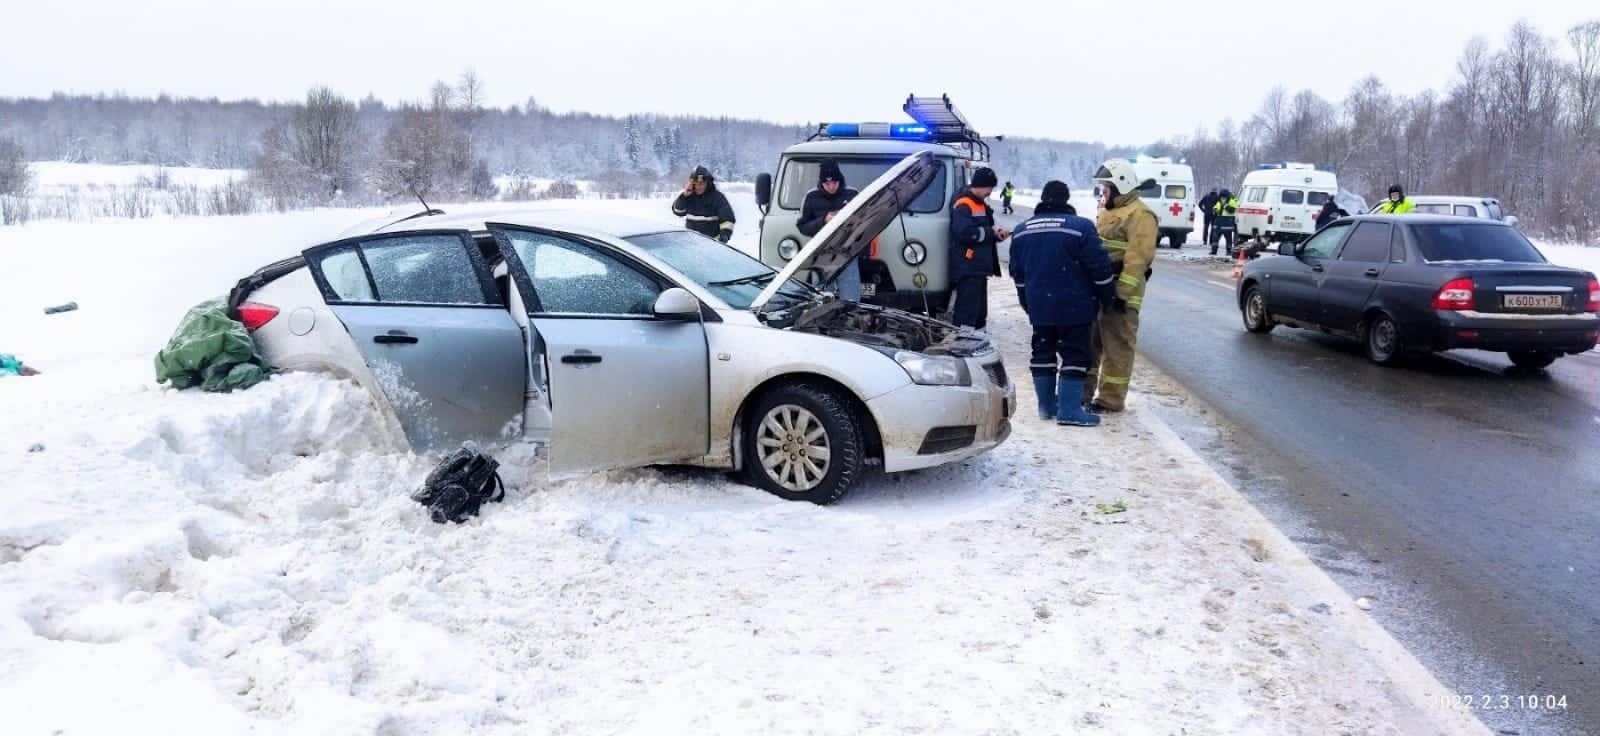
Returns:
(327, 148)
(1520, 122)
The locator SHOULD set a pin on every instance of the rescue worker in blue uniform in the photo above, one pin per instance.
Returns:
(974, 256)
(1064, 279)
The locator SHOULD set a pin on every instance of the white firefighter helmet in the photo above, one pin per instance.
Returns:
(1120, 174)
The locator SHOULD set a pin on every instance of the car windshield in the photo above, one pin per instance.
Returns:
(733, 276)
(1441, 243)
(800, 177)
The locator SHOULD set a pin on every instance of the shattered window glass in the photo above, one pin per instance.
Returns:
(423, 269)
(347, 277)
(575, 278)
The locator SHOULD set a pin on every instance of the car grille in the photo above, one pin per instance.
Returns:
(948, 439)
(997, 373)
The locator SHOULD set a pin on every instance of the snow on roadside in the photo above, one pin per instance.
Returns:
(251, 561)
(60, 176)
(1574, 256)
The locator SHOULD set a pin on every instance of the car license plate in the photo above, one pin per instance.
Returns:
(869, 290)
(1533, 301)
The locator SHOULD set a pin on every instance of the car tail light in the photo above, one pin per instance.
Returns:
(254, 315)
(1594, 295)
(1456, 295)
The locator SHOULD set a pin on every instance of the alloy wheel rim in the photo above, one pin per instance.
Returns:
(794, 448)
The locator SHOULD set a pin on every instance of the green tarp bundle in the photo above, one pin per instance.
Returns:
(212, 351)
(10, 365)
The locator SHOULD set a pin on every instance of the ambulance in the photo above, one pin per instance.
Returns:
(907, 265)
(1169, 192)
(1280, 202)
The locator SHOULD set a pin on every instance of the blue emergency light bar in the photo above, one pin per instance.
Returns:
(905, 131)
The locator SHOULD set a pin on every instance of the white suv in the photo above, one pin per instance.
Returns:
(1486, 208)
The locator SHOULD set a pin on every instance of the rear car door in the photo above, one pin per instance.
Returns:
(625, 388)
(1352, 277)
(427, 320)
(1293, 292)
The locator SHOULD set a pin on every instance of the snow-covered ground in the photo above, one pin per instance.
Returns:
(59, 176)
(182, 563)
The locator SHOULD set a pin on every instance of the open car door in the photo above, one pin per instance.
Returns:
(626, 387)
(429, 323)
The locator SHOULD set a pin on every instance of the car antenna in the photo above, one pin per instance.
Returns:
(426, 211)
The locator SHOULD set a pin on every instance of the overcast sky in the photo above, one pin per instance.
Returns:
(1119, 72)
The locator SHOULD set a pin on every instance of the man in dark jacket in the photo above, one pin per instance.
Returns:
(1330, 211)
(821, 204)
(703, 208)
(1065, 278)
(973, 255)
(1206, 203)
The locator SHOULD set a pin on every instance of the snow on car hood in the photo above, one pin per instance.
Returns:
(852, 230)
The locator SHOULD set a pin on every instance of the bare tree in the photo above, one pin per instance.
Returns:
(15, 176)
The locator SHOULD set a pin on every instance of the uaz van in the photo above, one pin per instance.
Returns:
(908, 265)
(1279, 202)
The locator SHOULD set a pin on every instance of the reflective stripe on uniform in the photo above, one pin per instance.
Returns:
(1130, 280)
(1106, 280)
(1114, 380)
(1051, 366)
(1135, 301)
(702, 218)
(1114, 244)
(726, 226)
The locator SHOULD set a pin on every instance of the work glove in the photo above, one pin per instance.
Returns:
(724, 237)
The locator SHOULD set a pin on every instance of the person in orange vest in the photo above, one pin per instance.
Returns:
(974, 256)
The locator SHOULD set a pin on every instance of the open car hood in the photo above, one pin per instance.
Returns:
(852, 230)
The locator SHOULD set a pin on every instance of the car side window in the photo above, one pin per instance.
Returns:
(1325, 243)
(1368, 244)
(1466, 210)
(1294, 196)
(410, 269)
(570, 277)
(1397, 247)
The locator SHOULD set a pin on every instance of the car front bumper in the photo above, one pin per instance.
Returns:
(1507, 333)
(928, 426)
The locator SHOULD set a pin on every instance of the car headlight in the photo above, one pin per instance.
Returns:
(914, 253)
(934, 370)
(788, 248)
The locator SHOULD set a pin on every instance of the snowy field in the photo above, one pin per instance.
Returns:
(183, 563)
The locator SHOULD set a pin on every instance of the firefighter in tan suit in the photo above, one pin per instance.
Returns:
(1129, 230)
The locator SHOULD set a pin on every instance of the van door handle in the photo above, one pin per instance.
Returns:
(1317, 267)
(394, 338)
(1372, 272)
(583, 358)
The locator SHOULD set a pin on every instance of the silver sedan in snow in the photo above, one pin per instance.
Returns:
(616, 344)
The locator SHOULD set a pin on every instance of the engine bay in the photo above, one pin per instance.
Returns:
(888, 328)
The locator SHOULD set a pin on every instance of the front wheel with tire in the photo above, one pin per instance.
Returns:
(1254, 310)
(1178, 239)
(803, 443)
(1532, 360)
(1382, 339)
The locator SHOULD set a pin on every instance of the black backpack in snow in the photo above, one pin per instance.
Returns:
(460, 484)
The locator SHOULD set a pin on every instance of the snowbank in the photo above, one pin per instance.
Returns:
(190, 563)
(1575, 256)
(60, 176)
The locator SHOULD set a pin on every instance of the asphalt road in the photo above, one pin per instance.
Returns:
(1461, 494)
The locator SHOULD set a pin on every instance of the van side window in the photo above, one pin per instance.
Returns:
(1466, 210)
(1294, 196)
(1317, 199)
(1151, 192)
(1257, 194)
(1177, 191)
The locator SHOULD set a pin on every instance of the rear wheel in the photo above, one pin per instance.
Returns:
(1532, 360)
(804, 443)
(1382, 340)
(1178, 239)
(1254, 310)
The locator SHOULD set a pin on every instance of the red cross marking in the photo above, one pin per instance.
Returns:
(1176, 208)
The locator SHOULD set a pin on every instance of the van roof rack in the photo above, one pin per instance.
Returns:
(937, 121)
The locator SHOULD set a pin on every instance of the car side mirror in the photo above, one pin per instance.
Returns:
(764, 191)
(1511, 220)
(1287, 248)
(677, 305)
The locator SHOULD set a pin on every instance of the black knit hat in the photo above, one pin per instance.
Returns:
(701, 172)
(1055, 193)
(829, 170)
(1397, 189)
(984, 177)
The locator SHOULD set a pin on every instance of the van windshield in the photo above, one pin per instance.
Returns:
(800, 177)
